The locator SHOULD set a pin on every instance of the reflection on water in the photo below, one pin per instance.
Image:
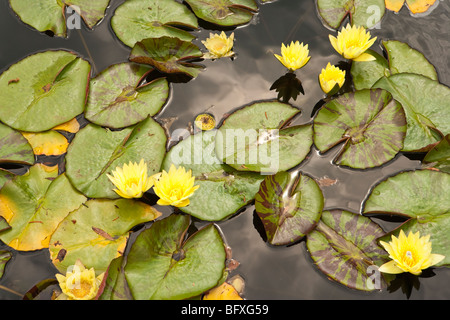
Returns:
(224, 85)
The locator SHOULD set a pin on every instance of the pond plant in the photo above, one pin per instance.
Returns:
(99, 216)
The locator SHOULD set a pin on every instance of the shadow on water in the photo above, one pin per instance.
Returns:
(270, 272)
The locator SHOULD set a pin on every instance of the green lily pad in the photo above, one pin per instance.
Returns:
(162, 265)
(14, 147)
(256, 138)
(371, 124)
(5, 256)
(118, 99)
(135, 20)
(49, 15)
(422, 196)
(224, 12)
(289, 205)
(5, 176)
(439, 156)
(426, 103)
(34, 204)
(401, 59)
(96, 151)
(168, 55)
(116, 286)
(97, 232)
(223, 190)
(362, 13)
(344, 247)
(44, 90)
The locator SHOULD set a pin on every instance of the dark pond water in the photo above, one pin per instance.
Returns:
(269, 272)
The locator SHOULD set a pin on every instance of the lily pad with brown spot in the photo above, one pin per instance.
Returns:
(14, 148)
(370, 123)
(120, 97)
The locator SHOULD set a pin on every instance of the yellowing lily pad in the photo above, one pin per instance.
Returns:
(135, 20)
(71, 126)
(415, 6)
(49, 89)
(49, 143)
(34, 204)
(97, 232)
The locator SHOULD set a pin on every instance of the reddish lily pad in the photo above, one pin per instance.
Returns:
(371, 124)
(44, 90)
(117, 97)
(224, 12)
(289, 205)
(344, 247)
(135, 20)
(168, 55)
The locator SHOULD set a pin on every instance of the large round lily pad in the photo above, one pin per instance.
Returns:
(344, 247)
(426, 103)
(50, 15)
(371, 124)
(362, 13)
(135, 20)
(43, 90)
(118, 99)
(422, 196)
(168, 55)
(34, 204)
(14, 147)
(290, 205)
(256, 138)
(223, 190)
(97, 232)
(162, 265)
(401, 59)
(224, 12)
(96, 151)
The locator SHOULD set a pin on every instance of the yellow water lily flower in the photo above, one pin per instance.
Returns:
(132, 181)
(330, 76)
(294, 56)
(218, 46)
(79, 283)
(175, 187)
(352, 43)
(410, 253)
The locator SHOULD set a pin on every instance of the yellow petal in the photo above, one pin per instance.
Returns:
(390, 267)
(365, 57)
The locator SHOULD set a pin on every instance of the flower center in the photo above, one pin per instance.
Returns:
(82, 289)
(175, 194)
